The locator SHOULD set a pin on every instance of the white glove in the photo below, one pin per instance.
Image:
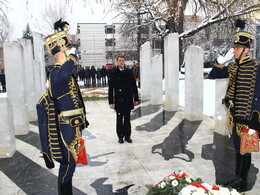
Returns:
(251, 131)
(72, 51)
(229, 55)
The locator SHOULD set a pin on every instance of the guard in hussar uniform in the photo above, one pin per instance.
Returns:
(61, 111)
(242, 98)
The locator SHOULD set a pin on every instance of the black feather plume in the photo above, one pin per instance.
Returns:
(60, 24)
(240, 23)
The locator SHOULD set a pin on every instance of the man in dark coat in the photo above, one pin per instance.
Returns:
(87, 76)
(2, 80)
(242, 100)
(103, 73)
(123, 96)
(93, 73)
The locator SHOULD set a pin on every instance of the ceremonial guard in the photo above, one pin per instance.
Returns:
(61, 111)
(242, 99)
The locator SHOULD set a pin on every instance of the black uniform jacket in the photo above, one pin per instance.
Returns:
(63, 95)
(122, 90)
(243, 89)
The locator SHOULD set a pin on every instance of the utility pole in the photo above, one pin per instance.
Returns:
(94, 51)
(139, 31)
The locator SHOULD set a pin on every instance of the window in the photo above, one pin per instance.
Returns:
(258, 29)
(78, 42)
(109, 29)
(110, 42)
(109, 55)
(78, 29)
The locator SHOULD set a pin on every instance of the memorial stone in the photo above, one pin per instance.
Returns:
(7, 132)
(194, 83)
(220, 110)
(171, 61)
(29, 77)
(156, 82)
(145, 71)
(39, 63)
(15, 84)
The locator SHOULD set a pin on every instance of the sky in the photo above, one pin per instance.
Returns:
(21, 12)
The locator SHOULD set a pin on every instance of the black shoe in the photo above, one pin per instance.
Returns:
(129, 140)
(120, 140)
(65, 188)
(240, 185)
(229, 182)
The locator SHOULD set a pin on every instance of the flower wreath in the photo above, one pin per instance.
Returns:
(179, 184)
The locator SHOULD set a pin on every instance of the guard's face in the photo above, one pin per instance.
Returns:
(238, 51)
(121, 62)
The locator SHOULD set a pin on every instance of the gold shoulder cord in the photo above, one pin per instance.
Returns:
(230, 119)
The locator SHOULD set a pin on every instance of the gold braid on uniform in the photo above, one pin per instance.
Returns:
(74, 145)
(230, 118)
(74, 92)
(233, 68)
(239, 127)
(245, 88)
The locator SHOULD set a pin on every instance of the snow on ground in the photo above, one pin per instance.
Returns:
(208, 88)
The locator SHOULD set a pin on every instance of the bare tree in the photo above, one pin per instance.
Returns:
(27, 33)
(51, 13)
(4, 23)
(167, 16)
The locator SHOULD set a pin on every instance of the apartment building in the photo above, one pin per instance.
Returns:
(100, 43)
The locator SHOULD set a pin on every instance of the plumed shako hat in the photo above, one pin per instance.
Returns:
(58, 41)
(242, 38)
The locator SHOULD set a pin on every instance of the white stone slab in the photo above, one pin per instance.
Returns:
(171, 62)
(156, 81)
(29, 77)
(7, 132)
(194, 83)
(145, 71)
(39, 71)
(220, 109)
(15, 84)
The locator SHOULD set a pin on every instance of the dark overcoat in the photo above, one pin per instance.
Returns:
(122, 90)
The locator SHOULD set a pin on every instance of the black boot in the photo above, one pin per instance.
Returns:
(65, 188)
(241, 184)
(236, 177)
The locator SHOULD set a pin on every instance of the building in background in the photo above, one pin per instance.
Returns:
(1, 59)
(100, 44)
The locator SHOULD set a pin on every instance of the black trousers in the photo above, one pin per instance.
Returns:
(123, 125)
(67, 170)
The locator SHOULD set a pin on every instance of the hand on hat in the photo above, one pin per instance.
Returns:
(72, 51)
(229, 55)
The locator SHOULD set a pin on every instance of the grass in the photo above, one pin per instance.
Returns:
(94, 98)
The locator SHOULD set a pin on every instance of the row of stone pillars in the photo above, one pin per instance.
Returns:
(25, 82)
(151, 80)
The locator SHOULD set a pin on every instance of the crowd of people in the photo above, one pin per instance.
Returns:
(99, 77)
